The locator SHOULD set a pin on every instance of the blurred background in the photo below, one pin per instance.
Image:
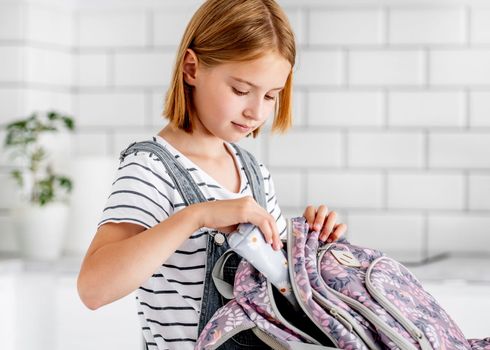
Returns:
(391, 130)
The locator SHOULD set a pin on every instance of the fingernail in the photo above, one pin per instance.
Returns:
(316, 227)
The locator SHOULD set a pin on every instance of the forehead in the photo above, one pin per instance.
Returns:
(268, 71)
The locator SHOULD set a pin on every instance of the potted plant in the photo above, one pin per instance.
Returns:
(41, 213)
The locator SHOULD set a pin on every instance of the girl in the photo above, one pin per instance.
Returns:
(233, 69)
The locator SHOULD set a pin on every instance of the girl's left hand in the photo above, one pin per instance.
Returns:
(323, 221)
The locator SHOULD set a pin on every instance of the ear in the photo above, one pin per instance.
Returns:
(189, 67)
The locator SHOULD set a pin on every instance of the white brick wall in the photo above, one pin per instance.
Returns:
(387, 67)
(388, 230)
(152, 69)
(317, 68)
(11, 21)
(334, 27)
(345, 189)
(458, 67)
(433, 26)
(385, 149)
(459, 150)
(112, 29)
(480, 25)
(392, 111)
(49, 25)
(427, 108)
(346, 108)
(426, 191)
(111, 108)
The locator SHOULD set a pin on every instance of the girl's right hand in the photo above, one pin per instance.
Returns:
(225, 215)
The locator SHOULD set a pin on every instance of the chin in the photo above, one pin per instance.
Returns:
(234, 139)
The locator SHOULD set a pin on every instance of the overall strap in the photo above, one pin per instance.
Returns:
(253, 174)
(184, 182)
(181, 178)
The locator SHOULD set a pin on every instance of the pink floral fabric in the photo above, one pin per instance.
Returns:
(336, 330)
(480, 344)
(378, 283)
(311, 252)
(403, 291)
(250, 308)
(407, 295)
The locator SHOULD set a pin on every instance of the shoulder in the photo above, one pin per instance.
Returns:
(144, 165)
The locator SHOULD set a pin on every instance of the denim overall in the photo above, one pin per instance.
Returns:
(217, 243)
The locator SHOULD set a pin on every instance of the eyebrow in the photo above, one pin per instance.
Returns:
(252, 84)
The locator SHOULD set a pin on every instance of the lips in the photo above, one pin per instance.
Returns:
(242, 127)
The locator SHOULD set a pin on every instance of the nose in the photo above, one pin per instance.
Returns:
(254, 110)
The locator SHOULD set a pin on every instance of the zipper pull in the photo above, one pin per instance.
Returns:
(341, 319)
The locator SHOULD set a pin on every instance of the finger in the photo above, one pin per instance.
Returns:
(338, 232)
(329, 225)
(266, 230)
(275, 234)
(309, 215)
(320, 216)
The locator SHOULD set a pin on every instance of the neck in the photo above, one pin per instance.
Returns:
(196, 144)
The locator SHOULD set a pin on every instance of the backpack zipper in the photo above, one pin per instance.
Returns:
(369, 315)
(295, 288)
(236, 330)
(348, 321)
(268, 339)
(416, 333)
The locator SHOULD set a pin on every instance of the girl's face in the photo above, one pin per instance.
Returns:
(233, 99)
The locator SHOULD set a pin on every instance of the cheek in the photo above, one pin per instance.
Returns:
(269, 110)
(206, 101)
(227, 106)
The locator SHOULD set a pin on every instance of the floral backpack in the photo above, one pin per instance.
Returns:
(350, 297)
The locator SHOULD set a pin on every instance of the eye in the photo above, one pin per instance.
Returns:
(270, 98)
(239, 93)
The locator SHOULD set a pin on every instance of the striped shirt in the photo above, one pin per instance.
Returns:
(169, 302)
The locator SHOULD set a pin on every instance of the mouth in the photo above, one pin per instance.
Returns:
(242, 128)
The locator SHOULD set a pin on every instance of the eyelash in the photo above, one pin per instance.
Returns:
(241, 93)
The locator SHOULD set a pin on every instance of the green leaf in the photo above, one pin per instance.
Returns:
(22, 137)
(17, 175)
(65, 183)
(69, 123)
(52, 115)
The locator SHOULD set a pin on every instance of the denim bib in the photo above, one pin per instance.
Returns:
(217, 242)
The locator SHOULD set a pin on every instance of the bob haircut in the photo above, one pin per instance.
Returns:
(224, 31)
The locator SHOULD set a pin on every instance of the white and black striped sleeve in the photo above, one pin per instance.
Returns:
(142, 192)
(272, 202)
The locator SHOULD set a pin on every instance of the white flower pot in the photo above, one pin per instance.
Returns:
(41, 230)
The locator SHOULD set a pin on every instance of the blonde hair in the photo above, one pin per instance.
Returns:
(224, 31)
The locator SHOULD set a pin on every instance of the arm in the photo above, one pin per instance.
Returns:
(122, 256)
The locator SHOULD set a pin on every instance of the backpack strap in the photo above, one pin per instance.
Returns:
(253, 174)
(224, 288)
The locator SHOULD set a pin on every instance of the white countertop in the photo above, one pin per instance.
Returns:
(473, 268)
(65, 265)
